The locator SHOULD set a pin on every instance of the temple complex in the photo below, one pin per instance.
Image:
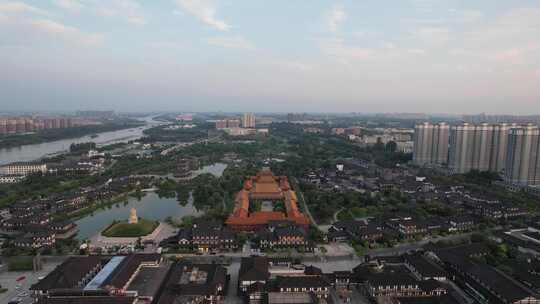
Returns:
(265, 187)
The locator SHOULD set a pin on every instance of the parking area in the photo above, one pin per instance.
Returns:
(338, 249)
(19, 290)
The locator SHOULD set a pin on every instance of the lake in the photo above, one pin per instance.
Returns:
(149, 207)
(215, 169)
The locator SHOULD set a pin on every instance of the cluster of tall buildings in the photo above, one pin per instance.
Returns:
(292, 117)
(96, 114)
(431, 143)
(25, 124)
(509, 148)
(524, 156)
(227, 123)
(247, 121)
(480, 147)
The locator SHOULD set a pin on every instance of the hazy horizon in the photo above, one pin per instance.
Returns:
(411, 56)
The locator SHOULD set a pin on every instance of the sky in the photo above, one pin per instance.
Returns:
(432, 56)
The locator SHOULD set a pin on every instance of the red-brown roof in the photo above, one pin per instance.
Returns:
(265, 186)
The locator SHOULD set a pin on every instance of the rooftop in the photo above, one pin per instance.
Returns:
(68, 274)
(186, 279)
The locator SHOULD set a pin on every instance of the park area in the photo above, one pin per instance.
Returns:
(125, 229)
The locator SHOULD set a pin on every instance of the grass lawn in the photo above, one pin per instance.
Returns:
(20, 263)
(124, 229)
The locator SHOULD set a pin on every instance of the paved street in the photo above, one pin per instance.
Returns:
(337, 258)
(327, 266)
(403, 248)
(9, 280)
(162, 232)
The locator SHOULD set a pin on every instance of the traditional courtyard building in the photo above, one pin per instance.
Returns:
(265, 187)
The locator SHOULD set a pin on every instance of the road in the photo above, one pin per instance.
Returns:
(337, 213)
(326, 266)
(323, 228)
(183, 145)
(403, 248)
(8, 279)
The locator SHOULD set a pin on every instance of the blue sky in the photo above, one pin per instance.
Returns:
(437, 56)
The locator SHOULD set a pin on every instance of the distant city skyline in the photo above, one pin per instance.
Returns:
(411, 56)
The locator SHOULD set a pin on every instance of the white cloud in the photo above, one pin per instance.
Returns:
(205, 11)
(469, 16)
(416, 51)
(389, 45)
(337, 48)
(335, 18)
(70, 5)
(432, 35)
(38, 30)
(20, 7)
(509, 40)
(128, 10)
(295, 65)
(58, 30)
(235, 42)
(163, 45)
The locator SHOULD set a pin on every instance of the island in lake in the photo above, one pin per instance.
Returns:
(133, 227)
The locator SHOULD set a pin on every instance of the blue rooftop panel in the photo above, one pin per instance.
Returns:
(104, 273)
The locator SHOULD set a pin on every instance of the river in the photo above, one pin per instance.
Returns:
(150, 207)
(36, 151)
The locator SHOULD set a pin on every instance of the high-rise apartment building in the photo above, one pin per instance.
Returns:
(500, 146)
(523, 156)
(248, 120)
(461, 148)
(227, 124)
(25, 124)
(478, 147)
(430, 143)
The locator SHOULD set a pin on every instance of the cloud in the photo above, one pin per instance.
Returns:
(128, 10)
(205, 11)
(509, 39)
(432, 35)
(416, 51)
(22, 30)
(20, 7)
(335, 18)
(166, 45)
(337, 48)
(235, 42)
(70, 5)
(513, 56)
(55, 29)
(469, 16)
(295, 65)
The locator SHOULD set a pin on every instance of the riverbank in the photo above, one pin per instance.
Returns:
(13, 141)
